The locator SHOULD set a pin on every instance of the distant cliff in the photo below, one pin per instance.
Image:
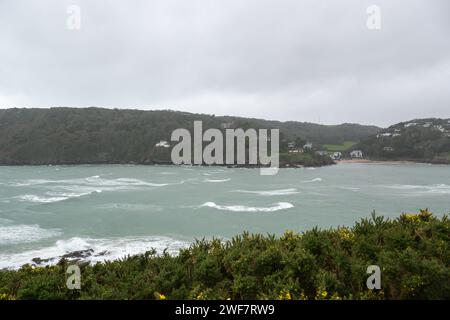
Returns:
(96, 135)
(425, 140)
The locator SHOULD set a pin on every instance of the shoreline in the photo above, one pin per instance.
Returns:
(283, 166)
(368, 161)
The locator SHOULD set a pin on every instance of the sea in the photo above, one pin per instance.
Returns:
(112, 211)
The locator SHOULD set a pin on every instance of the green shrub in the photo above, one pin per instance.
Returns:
(412, 251)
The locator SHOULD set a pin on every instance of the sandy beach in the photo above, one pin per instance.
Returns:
(375, 161)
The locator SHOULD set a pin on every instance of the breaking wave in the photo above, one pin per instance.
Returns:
(60, 190)
(422, 189)
(51, 197)
(91, 250)
(354, 189)
(92, 181)
(217, 180)
(280, 192)
(239, 208)
(314, 180)
(131, 207)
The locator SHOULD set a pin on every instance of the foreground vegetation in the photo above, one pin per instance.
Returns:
(412, 251)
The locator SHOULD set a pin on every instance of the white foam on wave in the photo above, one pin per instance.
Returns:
(354, 189)
(131, 207)
(314, 180)
(103, 250)
(217, 180)
(31, 182)
(14, 234)
(96, 181)
(40, 199)
(60, 190)
(51, 197)
(122, 182)
(280, 192)
(422, 189)
(239, 208)
(73, 194)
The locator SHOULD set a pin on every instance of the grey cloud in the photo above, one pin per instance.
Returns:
(309, 60)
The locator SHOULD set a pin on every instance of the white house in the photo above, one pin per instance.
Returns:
(385, 134)
(356, 154)
(336, 156)
(308, 146)
(162, 144)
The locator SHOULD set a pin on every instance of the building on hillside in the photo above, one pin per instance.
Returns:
(336, 156)
(296, 150)
(356, 154)
(308, 146)
(388, 149)
(291, 144)
(162, 144)
(322, 153)
(384, 135)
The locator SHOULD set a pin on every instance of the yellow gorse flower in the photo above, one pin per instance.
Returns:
(284, 295)
(321, 294)
(423, 216)
(200, 296)
(345, 233)
(160, 296)
(5, 296)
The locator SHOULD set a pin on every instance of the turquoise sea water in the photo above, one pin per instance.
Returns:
(115, 210)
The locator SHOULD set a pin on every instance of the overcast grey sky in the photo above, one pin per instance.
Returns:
(276, 59)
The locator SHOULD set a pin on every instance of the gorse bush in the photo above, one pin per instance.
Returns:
(412, 251)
